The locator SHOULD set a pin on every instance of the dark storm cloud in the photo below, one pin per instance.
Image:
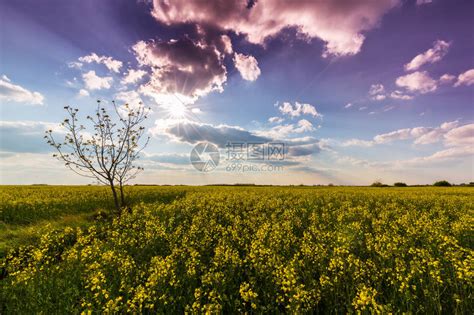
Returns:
(304, 150)
(182, 66)
(339, 23)
(168, 158)
(193, 132)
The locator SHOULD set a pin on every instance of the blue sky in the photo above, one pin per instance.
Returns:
(358, 91)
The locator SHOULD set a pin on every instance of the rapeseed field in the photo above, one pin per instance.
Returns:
(243, 250)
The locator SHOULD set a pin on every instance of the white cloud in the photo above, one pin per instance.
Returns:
(466, 78)
(348, 105)
(431, 136)
(227, 44)
(442, 156)
(340, 24)
(357, 143)
(11, 92)
(278, 132)
(363, 108)
(34, 168)
(72, 83)
(447, 132)
(310, 110)
(399, 95)
(29, 126)
(447, 78)
(129, 97)
(168, 158)
(83, 93)
(376, 92)
(454, 153)
(287, 109)
(299, 109)
(247, 66)
(75, 65)
(400, 134)
(109, 62)
(417, 82)
(432, 55)
(379, 97)
(459, 142)
(133, 76)
(284, 131)
(166, 100)
(387, 108)
(376, 89)
(352, 161)
(449, 125)
(304, 126)
(275, 119)
(463, 135)
(421, 135)
(94, 82)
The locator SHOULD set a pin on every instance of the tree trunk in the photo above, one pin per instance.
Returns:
(114, 193)
(122, 196)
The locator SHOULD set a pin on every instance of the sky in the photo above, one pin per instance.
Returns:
(356, 91)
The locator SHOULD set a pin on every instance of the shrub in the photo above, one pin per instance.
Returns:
(400, 184)
(378, 184)
(442, 183)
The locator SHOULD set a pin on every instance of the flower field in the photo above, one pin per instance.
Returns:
(242, 250)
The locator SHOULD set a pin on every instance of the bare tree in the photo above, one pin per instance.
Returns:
(108, 153)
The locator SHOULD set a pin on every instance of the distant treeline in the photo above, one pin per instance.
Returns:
(442, 183)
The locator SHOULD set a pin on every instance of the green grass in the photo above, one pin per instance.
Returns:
(27, 212)
(14, 235)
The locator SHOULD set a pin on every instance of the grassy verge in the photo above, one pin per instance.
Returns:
(27, 212)
(13, 235)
